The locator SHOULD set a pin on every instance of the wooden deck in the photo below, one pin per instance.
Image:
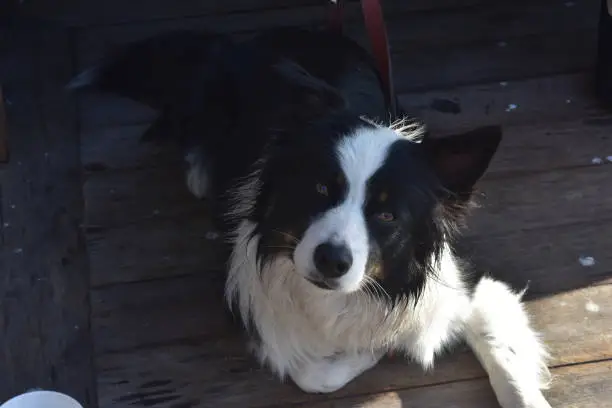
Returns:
(160, 336)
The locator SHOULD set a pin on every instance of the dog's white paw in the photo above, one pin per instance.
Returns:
(510, 397)
(538, 402)
(329, 375)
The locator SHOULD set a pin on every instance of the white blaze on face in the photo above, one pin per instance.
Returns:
(360, 155)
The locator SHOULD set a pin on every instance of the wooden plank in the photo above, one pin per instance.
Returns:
(524, 258)
(3, 130)
(118, 198)
(165, 248)
(584, 386)
(44, 285)
(220, 373)
(539, 100)
(544, 199)
(498, 21)
(519, 58)
(145, 314)
(550, 146)
(520, 259)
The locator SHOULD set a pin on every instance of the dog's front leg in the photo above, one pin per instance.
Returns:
(498, 331)
(329, 374)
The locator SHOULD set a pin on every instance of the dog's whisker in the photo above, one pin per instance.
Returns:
(291, 248)
(375, 287)
(287, 235)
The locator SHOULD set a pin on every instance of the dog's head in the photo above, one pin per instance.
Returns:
(368, 203)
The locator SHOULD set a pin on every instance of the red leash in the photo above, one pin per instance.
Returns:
(377, 32)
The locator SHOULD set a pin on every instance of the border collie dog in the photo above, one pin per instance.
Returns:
(340, 216)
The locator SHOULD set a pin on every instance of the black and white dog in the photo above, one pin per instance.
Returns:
(340, 217)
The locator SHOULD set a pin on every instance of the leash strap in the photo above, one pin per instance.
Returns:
(335, 16)
(377, 32)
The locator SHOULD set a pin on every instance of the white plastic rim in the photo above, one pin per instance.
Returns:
(42, 399)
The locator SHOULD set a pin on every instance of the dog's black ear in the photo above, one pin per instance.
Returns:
(461, 160)
(307, 97)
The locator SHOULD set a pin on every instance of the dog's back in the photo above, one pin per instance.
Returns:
(335, 59)
(183, 69)
(224, 99)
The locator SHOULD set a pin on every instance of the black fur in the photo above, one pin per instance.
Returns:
(288, 96)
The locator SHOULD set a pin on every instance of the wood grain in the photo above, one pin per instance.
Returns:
(545, 259)
(218, 372)
(44, 284)
(120, 198)
(519, 58)
(154, 250)
(584, 386)
(3, 130)
(544, 199)
(538, 100)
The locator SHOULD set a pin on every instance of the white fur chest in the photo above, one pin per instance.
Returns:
(298, 322)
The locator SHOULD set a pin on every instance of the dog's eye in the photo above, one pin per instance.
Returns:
(385, 216)
(322, 189)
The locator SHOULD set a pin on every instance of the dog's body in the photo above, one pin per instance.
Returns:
(341, 223)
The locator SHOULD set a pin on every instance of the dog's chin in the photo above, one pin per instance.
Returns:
(322, 284)
(330, 285)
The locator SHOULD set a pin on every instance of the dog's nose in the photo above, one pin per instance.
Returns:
(332, 260)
